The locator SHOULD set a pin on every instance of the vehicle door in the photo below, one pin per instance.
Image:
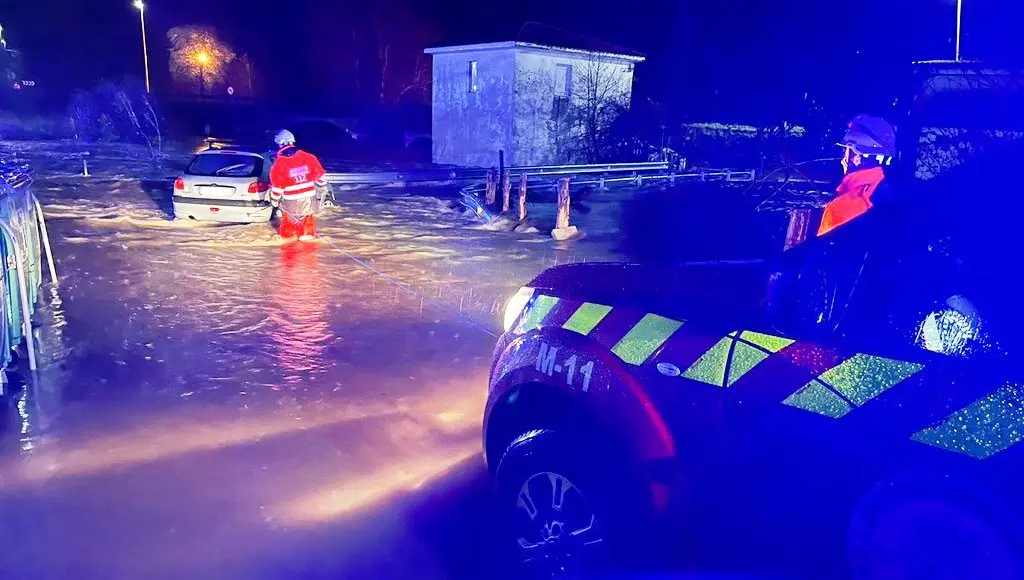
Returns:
(897, 363)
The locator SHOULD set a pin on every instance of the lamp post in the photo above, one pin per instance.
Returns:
(203, 58)
(959, 18)
(141, 7)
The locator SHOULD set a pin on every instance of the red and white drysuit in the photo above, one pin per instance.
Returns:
(295, 179)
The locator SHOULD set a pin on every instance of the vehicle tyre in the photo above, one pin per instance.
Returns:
(565, 507)
(926, 529)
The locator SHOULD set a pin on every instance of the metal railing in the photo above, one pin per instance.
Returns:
(463, 174)
(470, 196)
(24, 241)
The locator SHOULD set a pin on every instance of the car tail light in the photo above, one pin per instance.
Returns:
(179, 184)
(258, 186)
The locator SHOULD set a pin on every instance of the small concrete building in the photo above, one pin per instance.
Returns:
(522, 96)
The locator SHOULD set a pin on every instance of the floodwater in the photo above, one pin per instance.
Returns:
(212, 404)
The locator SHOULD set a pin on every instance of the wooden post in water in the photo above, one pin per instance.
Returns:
(563, 231)
(489, 199)
(562, 218)
(506, 191)
(522, 197)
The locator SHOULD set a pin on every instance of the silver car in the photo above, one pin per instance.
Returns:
(224, 185)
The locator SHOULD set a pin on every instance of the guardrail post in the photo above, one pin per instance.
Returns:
(489, 196)
(506, 191)
(600, 183)
(46, 239)
(563, 231)
(522, 197)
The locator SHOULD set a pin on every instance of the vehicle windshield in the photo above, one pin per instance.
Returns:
(225, 165)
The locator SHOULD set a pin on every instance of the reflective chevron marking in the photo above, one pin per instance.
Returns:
(734, 356)
(851, 383)
(987, 426)
(645, 338)
(535, 313)
(587, 317)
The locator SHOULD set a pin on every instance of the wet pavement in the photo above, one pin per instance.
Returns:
(212, 404)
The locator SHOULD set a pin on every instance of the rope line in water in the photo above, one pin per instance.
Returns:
(409, 289)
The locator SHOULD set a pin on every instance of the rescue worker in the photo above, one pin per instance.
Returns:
(295, 178)
(869, 146)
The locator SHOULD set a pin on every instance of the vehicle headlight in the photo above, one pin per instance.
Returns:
(515, 306)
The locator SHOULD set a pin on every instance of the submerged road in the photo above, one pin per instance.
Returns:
(214, 405)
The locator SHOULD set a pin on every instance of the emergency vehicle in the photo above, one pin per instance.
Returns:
(851, 407)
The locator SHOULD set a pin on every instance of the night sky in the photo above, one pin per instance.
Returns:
(699, 53)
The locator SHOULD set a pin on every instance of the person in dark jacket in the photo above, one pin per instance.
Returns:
(869, 146)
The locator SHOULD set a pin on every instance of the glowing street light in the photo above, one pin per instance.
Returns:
(141, 7)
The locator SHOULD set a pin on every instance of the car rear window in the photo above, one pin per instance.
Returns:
(225, 165)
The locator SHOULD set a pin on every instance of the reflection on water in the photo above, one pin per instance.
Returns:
(299, 313)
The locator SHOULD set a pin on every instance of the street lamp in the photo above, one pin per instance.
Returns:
(959, 18)
(203, 58)
(145, 51)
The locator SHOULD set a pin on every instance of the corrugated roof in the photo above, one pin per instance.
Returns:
(541, 35)
(544, 35)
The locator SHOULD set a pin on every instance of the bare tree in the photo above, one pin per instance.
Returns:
(248, 70)
(148, 128)
(601, 95)
(399, 67)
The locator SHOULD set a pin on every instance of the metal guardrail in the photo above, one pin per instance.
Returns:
(470, 197)
(23, 241)
(461, 174)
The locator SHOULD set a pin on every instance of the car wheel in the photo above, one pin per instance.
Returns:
(562, 507)
(928, 529)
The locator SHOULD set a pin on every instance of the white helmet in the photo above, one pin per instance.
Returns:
(284, 137)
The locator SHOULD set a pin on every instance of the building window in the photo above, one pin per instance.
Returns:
(563, 80)
(560, 108)
(472, 77)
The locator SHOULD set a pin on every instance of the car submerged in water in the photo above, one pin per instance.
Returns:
(852, 407)
(224, 185)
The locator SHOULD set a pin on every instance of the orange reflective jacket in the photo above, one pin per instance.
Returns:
(854, 198)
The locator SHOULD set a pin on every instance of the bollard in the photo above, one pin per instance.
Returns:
(799, 225)
(563, 231)
(522, 197)
(489, 199)
(506, 191)
(85, 167)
